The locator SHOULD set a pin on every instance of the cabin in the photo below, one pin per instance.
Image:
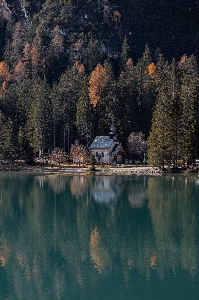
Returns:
(107, 149)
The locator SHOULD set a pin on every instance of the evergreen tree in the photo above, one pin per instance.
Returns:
(145, 90)
(124, 55)
(164, 138)
(39, 125)
(127, 108)
(64, 104)
(189, 117)
(85, 117)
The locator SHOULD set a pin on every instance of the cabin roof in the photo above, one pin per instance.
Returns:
(101, 142)
(115, 149)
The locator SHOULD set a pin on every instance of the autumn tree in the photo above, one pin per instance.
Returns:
(20, 72)
(5, 76)
(136, 144)
(78, 153)
(151, 70)
(96, 84)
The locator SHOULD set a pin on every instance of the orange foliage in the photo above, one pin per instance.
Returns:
(129, 64)
(20, 72)
(80, 68)
(151, 70)
(4, 73)
(78, 153)
(97, 252)
(97, 82)
(183, 64)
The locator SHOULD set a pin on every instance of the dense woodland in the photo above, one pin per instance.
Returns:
(68, 67)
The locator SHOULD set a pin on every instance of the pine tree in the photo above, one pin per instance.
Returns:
(164, 138)
(145, 90)
(189, 116)
(64, 100)
(124, 55)
(39, 126)
(85, 117)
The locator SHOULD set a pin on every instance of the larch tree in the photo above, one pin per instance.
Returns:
(20, 72)
(96, 84)
(5, 77)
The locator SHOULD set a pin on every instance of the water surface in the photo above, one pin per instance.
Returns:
(103, 237)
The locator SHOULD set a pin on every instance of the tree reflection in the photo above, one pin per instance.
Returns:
(173, 216)
(86, 244)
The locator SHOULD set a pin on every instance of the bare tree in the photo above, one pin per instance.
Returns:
(137, 144)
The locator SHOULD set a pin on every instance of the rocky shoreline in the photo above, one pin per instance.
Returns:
(100, 170)
(79, 170)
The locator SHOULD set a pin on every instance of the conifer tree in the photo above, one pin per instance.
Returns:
(124, 55)
(85, 116)
(145, 90)
(164, 138)
(127, 109)
(189, 116)
(64, 99)
(39, 126)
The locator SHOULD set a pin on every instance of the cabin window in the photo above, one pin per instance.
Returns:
(96, 154)
(102, 154)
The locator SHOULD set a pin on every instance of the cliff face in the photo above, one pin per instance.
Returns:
(170, 25)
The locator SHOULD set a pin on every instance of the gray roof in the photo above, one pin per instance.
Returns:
(101, 142)
(115, 149)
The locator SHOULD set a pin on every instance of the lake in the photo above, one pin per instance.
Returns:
(99, 237)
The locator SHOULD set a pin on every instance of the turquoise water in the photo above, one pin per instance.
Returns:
(103, 237)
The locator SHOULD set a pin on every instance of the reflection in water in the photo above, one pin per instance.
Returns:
(98, 253)
(174, 223)
(106, 190)
(87, 255)
(78, 185)
(137, 193)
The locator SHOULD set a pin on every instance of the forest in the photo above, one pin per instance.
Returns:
(67, 68)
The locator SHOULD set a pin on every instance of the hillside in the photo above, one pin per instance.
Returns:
(67, 67)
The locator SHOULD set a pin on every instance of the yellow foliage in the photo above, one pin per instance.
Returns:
(4, 73)
(151, 70)
(97, 252)
(96, 84)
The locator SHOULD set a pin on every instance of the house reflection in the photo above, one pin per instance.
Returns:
(106, 190)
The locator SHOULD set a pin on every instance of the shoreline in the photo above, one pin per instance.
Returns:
(78, 170)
